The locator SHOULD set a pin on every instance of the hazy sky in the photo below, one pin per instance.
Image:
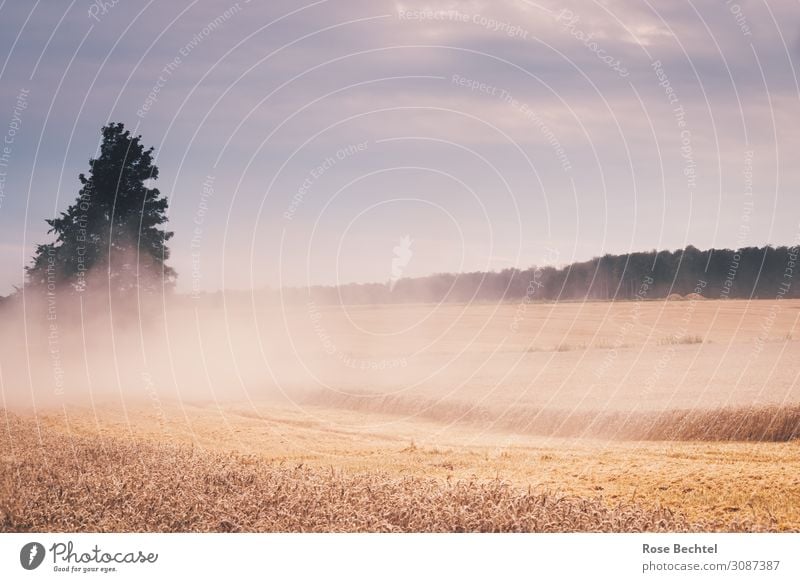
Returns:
(300, 143)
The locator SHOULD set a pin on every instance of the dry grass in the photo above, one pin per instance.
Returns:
(676, 340)
(600, 344)
(752, 424)
(421, 448)
(51, 482)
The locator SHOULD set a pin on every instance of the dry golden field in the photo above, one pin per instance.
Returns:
(628, 416)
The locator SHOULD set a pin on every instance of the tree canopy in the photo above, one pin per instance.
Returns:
(112, 235)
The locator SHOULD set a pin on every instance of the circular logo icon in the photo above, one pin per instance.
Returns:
(31, 555)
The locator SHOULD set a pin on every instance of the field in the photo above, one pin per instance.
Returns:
(627, 416)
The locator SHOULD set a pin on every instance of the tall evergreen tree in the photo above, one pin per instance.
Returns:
(113, 229)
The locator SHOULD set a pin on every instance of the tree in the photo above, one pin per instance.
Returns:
(113, 229)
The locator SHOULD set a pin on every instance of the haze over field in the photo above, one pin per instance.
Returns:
(623, 409)
(634, 356)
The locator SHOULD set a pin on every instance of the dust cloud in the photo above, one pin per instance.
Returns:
(88, 348)
(568, 368)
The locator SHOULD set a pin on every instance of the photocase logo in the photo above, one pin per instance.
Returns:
(402, 255)
(32, 555)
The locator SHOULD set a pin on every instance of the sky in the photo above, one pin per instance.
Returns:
(343, 141)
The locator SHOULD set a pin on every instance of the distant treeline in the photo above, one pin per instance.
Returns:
(752, 272)
(747, 273)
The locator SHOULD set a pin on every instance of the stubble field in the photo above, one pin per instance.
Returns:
(627, 416)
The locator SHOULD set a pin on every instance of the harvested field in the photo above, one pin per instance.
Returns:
(90, 484)
(657, 416)
(755, 423)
